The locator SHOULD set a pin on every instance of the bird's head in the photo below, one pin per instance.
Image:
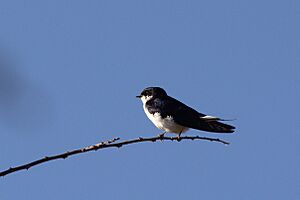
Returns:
(150, 92)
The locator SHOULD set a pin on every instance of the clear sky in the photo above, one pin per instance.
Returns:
(70, 71)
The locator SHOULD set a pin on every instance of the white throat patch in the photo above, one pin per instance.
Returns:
(145, 99)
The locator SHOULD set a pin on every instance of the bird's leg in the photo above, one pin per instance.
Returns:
(162, 134)
(178, 137)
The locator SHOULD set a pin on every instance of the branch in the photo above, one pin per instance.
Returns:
(103, 145)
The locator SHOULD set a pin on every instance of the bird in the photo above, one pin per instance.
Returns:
(173, 116)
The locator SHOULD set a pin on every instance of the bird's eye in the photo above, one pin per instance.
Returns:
(145, 93)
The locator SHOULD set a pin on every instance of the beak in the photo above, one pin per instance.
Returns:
(139, 96)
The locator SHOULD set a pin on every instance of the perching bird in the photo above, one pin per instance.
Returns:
(170, 115)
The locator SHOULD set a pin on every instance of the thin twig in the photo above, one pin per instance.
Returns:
(106, 144)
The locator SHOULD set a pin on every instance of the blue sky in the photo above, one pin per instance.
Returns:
(70, 71)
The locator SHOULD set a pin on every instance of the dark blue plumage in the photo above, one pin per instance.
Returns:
(160, 107)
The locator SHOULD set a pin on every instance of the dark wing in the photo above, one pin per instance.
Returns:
(169, 106)
(188, 117)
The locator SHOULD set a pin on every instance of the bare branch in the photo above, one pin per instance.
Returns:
(102, 145)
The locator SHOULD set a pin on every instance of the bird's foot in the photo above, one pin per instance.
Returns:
(178, 137)
(162, 135)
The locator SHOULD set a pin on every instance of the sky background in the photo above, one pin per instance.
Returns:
(70, 71)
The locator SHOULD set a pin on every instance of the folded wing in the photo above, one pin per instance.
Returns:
(188, 117)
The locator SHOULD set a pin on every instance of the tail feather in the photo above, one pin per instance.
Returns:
(214, 126)
(218, 127)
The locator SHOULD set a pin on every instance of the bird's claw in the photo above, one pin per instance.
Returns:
(178, 137)
(162, 135)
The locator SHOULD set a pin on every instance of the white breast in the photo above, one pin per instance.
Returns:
(166, 124)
